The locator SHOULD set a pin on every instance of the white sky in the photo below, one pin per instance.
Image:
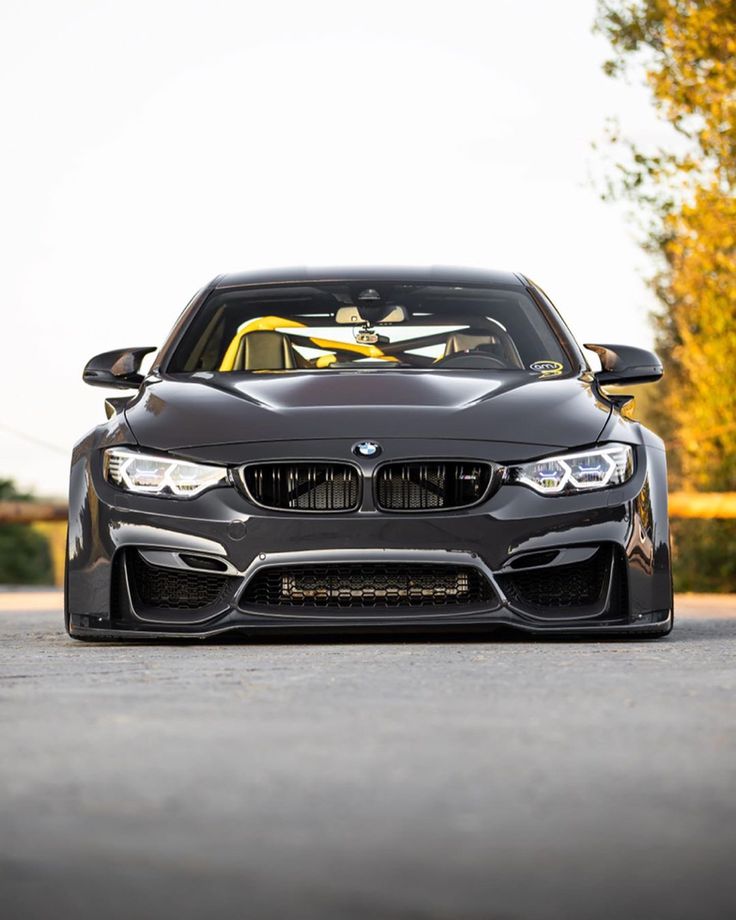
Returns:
(148, 146)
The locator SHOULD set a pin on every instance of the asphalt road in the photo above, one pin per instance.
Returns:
(499, 779)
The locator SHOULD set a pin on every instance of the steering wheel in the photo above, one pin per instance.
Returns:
(471, 359)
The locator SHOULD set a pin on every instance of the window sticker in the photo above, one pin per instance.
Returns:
(547, 368)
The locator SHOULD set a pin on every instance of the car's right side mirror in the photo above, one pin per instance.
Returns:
(626, 364)
(117, 369)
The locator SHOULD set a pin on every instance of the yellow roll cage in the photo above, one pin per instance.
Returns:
(272, 323)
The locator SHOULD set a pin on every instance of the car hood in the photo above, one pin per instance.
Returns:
(208, 409)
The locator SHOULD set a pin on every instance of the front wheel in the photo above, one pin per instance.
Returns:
(66, 585)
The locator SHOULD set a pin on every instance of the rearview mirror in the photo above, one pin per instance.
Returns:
(117, 369)
(626, 364)
(373, 314)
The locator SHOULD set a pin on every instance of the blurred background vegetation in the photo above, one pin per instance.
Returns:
(26, 550)
(684, 200)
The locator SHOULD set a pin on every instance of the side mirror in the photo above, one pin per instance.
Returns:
(117, 369)
(626, 364)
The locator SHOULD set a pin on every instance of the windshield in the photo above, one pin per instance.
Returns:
(334, 326)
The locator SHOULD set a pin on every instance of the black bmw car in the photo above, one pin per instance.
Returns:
(351, 450)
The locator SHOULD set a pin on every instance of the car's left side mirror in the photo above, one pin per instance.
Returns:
(117, 369)
(626, 364)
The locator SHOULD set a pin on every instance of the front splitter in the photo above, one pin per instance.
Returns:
(657, 624)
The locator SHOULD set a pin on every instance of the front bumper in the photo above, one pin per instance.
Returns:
(513, 533)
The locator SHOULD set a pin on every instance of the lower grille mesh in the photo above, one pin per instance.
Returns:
(560, 587)
(175, 589)
(367, 585)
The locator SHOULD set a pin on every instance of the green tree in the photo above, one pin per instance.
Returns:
(686, 50)
(25, 558)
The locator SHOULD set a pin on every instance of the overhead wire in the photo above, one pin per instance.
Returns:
(32, 439)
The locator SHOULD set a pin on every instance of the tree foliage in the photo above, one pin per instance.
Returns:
(25, 557)
(686, 50)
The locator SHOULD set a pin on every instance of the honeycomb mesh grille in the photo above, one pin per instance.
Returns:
(565, 587)
(175, 589)
(303, 486)
(367, 585)
(425, 486)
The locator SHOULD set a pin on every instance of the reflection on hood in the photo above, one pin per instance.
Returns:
(510, 406)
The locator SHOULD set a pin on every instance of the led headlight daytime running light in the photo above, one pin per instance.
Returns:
(597, 468)
(148, 474)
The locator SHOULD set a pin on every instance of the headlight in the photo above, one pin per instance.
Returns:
(591, 469)
(151, 475)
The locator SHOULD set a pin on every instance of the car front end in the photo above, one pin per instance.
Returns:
(362, 553)
(387, 505)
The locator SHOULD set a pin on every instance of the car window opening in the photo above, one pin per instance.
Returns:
(332, 327)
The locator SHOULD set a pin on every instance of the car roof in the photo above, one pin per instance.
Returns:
(432, 274)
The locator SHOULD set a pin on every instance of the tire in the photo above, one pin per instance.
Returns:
(67, 614)
(66, 588)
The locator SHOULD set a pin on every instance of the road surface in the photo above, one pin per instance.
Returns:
(498, 779)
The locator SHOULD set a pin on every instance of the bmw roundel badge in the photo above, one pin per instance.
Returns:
(367, 449)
